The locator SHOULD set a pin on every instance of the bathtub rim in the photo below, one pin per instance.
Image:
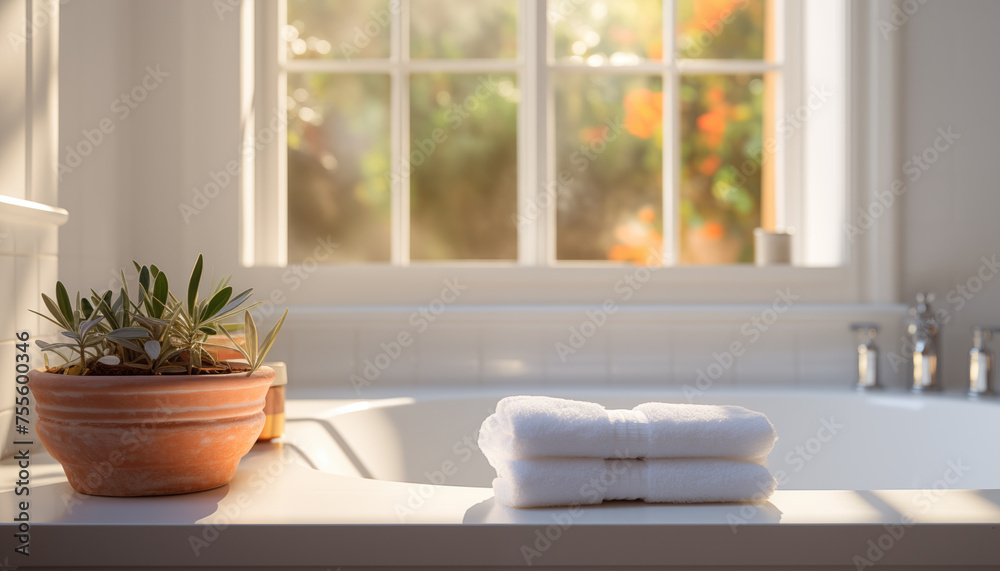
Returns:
(339, 518)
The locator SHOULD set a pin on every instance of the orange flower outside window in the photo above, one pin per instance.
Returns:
(643, 112)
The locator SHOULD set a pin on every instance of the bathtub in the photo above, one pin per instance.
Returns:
(920, 470)
(826, 440)
(891, 480)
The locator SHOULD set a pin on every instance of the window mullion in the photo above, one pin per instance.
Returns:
(264, 232)
(671, 141)
(400, 136)
(531, 243)
(548, 178)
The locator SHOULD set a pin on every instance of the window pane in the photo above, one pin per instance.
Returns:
(609, 151)
(598, 31)
(463, 166)
(721, 29)
(721, 135)
(335, 29)
(444, 29)
(338, 157)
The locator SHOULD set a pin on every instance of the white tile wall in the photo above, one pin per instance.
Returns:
(511, 353)
(6, 237)
(27, 238)
(769, 357)
(28, 265)
(7, 364)
(807, 346)
(318, 352)
(379, 348)
(641, 353)
(48, 274)
(703, 348)
(576, 351)
(6, 431)
(7, 284)
(449, 354)
(816, 364)
(26, 293)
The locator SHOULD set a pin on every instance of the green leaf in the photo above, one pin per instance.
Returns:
(104, 306)
(193, 285)
(56, 312)
(43, 316)
(269, 340)
(160, 291)
(250, 336)
(144, 279)
(168, 355)
(207, 330)
(88, 309)
(195, 357)
(54, 346)
(124, 284)
(124, 306)
(64, 305)
(235, 303)
(126, 343)
(86, 325)
(144, 291)
(152, 349)
(218, 301)
(129, 333)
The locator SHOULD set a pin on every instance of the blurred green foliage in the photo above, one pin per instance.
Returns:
(462, 167)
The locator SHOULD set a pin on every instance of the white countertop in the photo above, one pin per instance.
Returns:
(277, 511)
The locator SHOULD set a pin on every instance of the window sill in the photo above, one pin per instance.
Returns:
(313, 284)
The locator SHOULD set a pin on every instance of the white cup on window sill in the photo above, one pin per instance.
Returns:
(772, 248)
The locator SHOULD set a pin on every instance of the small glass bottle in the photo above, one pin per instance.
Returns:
(274, 403)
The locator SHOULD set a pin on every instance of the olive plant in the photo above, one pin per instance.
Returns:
(154, 333)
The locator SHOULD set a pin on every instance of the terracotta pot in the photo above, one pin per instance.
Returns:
(149, 435)
(225, 354)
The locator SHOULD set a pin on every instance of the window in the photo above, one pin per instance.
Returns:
(549, 143)
(412, 131)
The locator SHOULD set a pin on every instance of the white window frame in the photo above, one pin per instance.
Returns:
(866, 276)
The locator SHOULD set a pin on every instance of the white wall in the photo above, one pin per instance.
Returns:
(951, 214)
(95, 55)
(141, 173)
(29, 220)
(145, 167)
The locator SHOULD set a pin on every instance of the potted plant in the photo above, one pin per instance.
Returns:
(139, 406)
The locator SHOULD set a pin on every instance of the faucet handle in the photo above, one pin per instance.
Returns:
(868, 332)
(981, 362)
(867, 356)
(981, 335)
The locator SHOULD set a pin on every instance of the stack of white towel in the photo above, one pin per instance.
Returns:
(550, 452)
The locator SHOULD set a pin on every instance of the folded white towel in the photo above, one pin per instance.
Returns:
(536, 427)
(586, 481)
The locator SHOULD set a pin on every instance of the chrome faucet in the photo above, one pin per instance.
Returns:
(981, 362)
(867, 356)
(923, 330)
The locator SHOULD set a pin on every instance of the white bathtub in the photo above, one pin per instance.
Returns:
(893, 480)
(827, 440)
(839, 458)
